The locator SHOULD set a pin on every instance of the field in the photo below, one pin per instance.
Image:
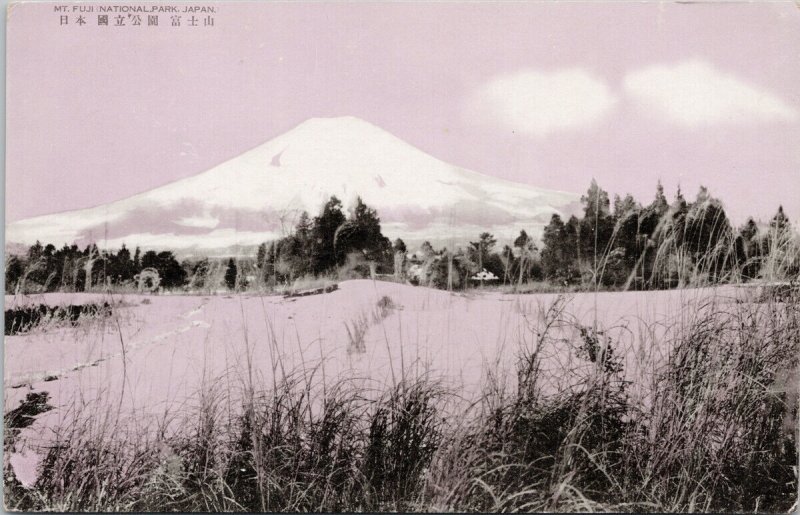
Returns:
(385, 396)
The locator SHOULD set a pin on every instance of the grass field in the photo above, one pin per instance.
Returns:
(383, 396)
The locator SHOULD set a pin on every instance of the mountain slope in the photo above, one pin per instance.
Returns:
(259, 195)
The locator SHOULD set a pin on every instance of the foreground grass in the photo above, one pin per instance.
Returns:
(712, 429)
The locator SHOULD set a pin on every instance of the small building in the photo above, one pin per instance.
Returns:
(484, 276)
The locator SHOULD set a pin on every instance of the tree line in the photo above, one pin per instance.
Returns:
(662, 244)
(327, 243)
(625, 244)
(619, 244)
(45, 268)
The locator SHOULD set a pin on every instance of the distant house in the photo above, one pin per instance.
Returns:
(484, 276)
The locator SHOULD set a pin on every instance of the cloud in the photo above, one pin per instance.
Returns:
(694, 93)
(206, 221)
(540, 103)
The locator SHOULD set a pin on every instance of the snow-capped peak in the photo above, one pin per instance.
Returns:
(259, 194)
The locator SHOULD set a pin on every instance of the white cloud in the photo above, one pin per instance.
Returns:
(693, 93)
(206, 221)
(540, 103)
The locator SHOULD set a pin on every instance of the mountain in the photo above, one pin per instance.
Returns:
(259, 195)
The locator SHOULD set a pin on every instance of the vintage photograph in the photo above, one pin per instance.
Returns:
(402, 257)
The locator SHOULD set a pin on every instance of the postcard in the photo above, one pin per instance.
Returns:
(402, 257)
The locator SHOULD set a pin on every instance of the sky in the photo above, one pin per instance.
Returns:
(551, 95)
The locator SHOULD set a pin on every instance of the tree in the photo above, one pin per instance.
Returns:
(780, 222)
(748, 249)
(304, 234)
(230, 275)
(558, 254)
(399, 250)
(522, 240)
(528, 255)
(784, 259)
(324, 254)
(121, 265)
(70, 259)
(172, 273)
(201, 272)
(361, 234)
(651, 219)
(749, 230)
(660, 204)
(261, 256)
(35, 251)
(91, 254)
(269, 273)
(304, 226)
(169, 270)
(507, 258)
(595, 202)
(36, 269)
(623, 207)
(427, 249)
(15, 268)
(623, 251)
(450, 269)
(290, 258)
(708, 234)
(595, 229)
(670, 261)
(481, 249)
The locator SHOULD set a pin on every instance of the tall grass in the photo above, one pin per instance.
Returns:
(718, 433)
(282, 451)
(713, 428)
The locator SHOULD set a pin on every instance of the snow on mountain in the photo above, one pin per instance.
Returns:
(260, 194)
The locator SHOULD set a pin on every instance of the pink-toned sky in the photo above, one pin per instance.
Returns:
(547, 94)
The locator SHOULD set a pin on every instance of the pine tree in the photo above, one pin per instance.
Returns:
(625, 206)
(748, 249)
(749, 230)
(325, 255)
(780, 222)
(123, 266)
(558, 251)
(660, 204)
(527, 255)
(200, 273)
(623, 252)
(399, 246)
(362, 233)
(35, 251)
(15, 268)
(595, 229)
(261, 256)
(596, 203)
(399, 249)
(169, 270)
(707, 231)
(522, 240)
(230, 275)
(481, 249)
(782, 256)
(304, 226)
